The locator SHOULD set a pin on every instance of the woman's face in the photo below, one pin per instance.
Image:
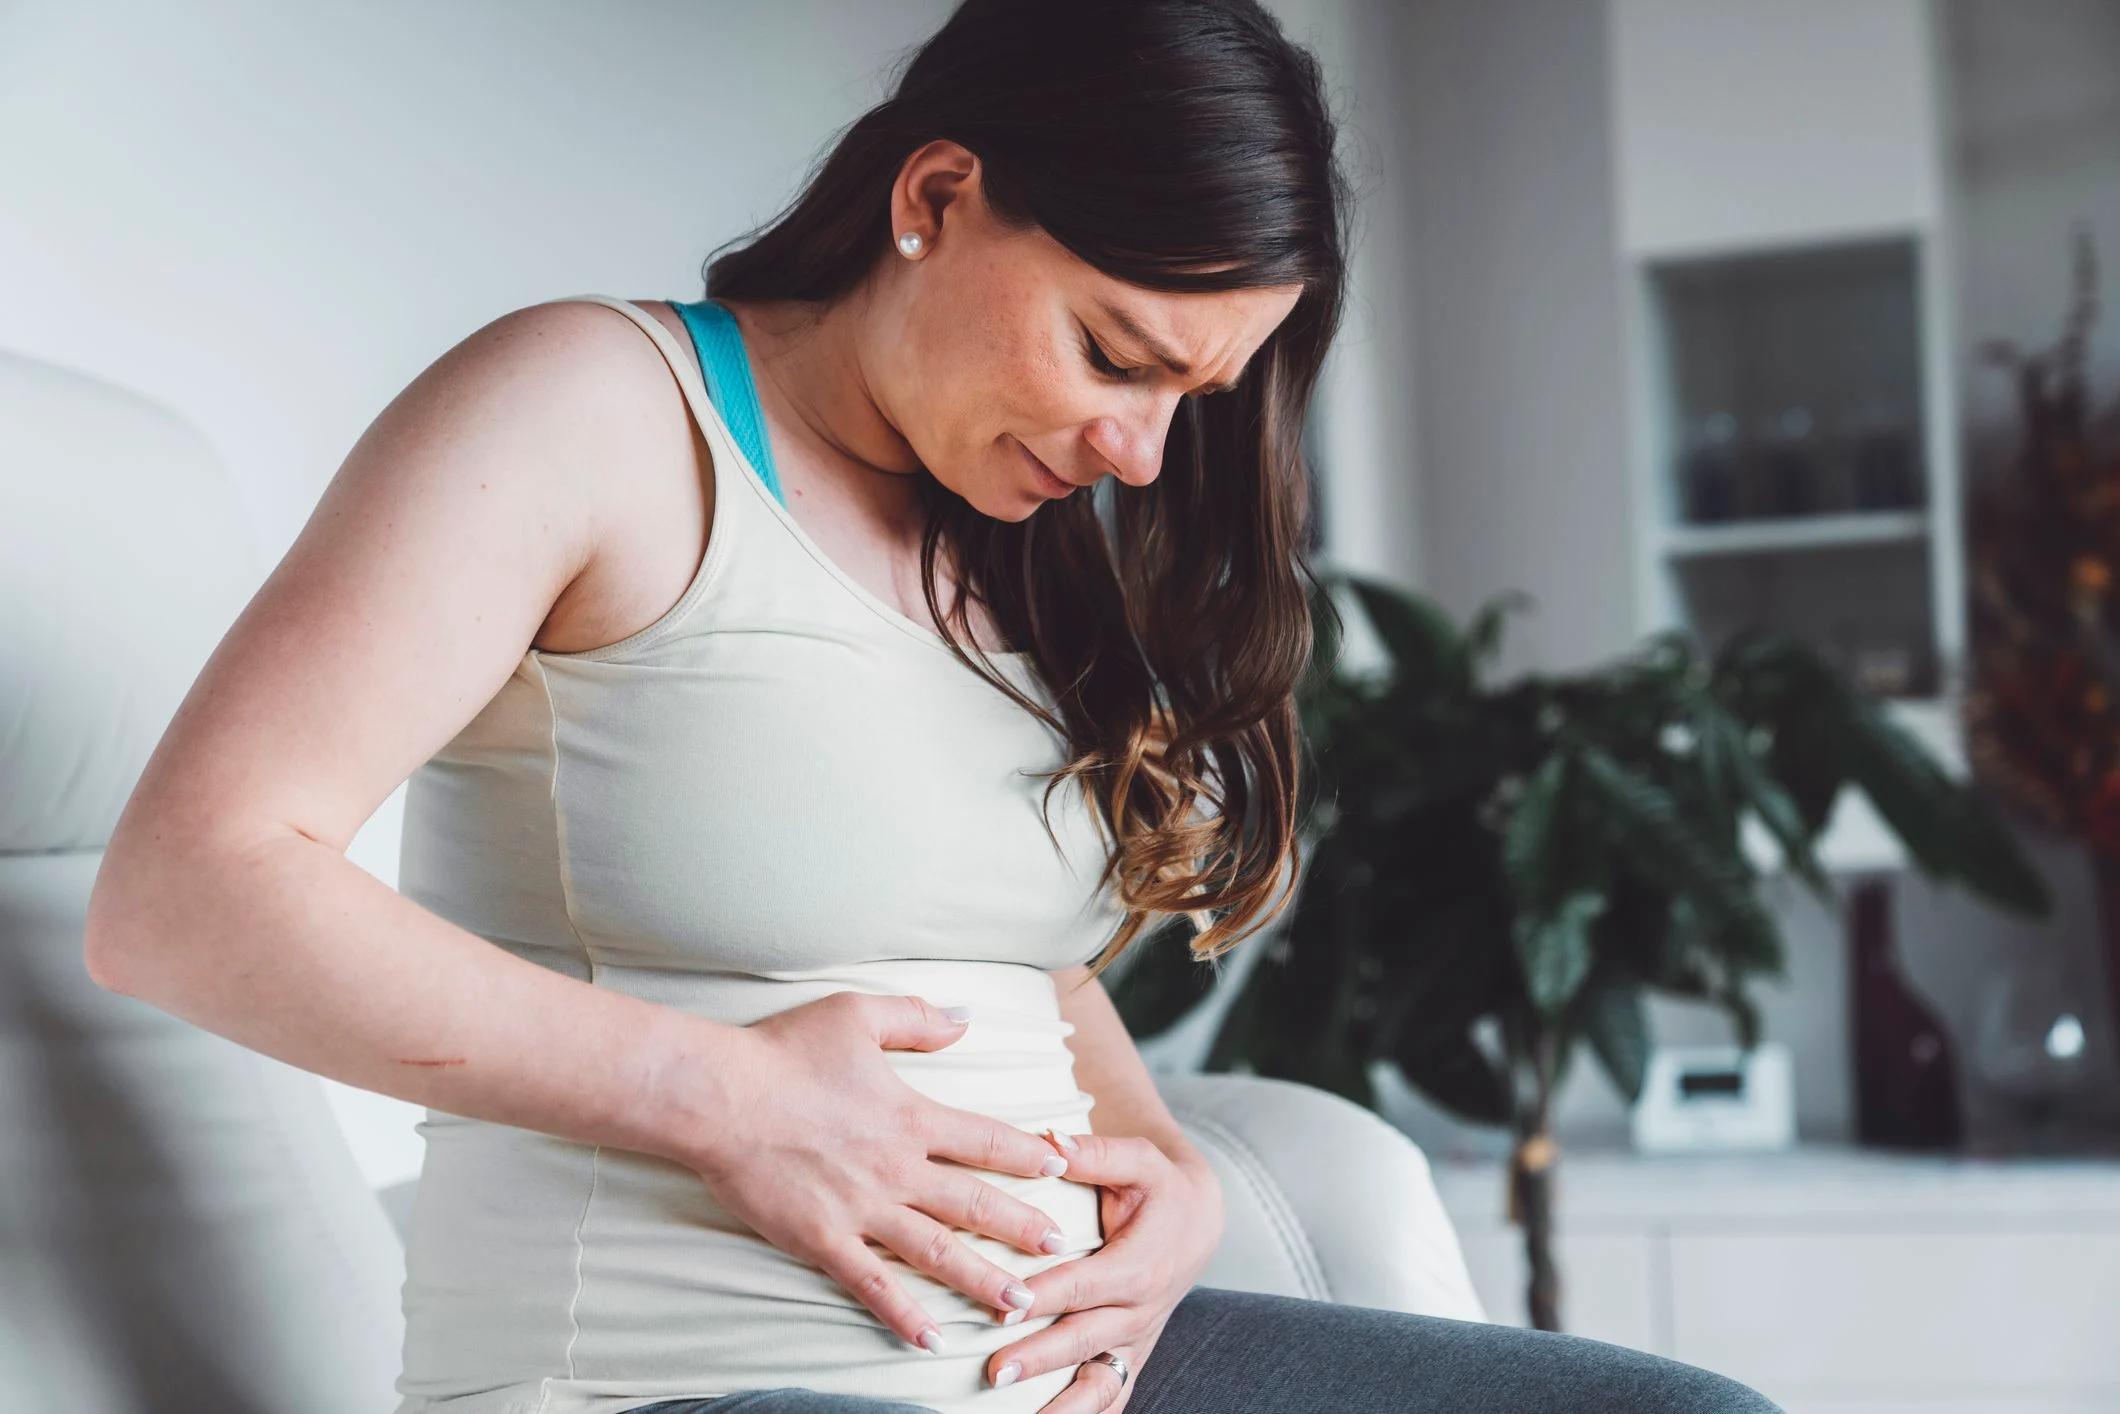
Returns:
(999, 341)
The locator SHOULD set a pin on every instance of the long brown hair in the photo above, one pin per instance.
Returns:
(1180, 145)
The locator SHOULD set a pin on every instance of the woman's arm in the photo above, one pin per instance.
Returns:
(428, 566)
(1109, 1067)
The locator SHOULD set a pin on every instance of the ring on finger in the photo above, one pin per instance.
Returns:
(1113, 1359)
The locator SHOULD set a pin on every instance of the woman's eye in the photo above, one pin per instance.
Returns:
(1105, 366)
(1096, 355)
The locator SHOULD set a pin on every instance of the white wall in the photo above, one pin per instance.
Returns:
(1505, 128)
(1369, 412)
(271, 217)
(2037, 119)
(1517, 317)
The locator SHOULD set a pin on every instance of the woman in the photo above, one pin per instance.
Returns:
(744, 959)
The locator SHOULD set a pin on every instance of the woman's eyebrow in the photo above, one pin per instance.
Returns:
(1162, 355)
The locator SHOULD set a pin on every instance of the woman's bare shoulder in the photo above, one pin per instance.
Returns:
(485, 494)
(653, 475)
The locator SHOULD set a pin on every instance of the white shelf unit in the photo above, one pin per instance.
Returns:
(1831, 1278)
(1752, 536)
(1782, 205)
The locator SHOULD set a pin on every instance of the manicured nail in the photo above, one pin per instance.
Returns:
(1065, 1141)
(1012, 1317)
(1053, 1241)
(957, 1013)
(1017, 1294)
(931, 1341)
(1053, 1167)
(1006, 1375)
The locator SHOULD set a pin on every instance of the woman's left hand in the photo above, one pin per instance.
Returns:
(1162, 1220)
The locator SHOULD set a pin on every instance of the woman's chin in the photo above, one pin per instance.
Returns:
(1005, 498)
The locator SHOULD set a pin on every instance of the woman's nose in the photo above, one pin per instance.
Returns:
(1134, 445)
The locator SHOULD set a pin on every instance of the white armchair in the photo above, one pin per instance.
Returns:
(182, 1223)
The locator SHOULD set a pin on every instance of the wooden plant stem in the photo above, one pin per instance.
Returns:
(1531, 1187)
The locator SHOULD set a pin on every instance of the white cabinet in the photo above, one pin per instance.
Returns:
(1832, 1278)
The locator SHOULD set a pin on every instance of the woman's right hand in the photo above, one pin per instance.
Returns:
(831, 1148)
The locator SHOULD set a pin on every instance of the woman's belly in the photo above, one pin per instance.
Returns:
(548, 1275)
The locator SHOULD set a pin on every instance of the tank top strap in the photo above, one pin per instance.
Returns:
(727, 365)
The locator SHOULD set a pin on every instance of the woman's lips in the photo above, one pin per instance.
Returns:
(1050, 483)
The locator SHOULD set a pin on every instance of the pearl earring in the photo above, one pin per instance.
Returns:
(909, 243)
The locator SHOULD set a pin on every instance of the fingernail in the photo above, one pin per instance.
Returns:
(1012, 1317)
(1065, 1141)
(931, 1341)
(1053, 1167)
(957, 1013)
(1006, 1375)
(1017, 1294)
(1053, 1241)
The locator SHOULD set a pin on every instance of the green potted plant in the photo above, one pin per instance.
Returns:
(1544, 853)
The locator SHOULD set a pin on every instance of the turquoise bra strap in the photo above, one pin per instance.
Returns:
(719, 340)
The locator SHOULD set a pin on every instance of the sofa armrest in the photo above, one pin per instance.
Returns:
(1323, 1198)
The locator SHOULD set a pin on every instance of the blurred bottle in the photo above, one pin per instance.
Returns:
(1786, 480)
(1886, 469)
(1708, 468)
(1906, 1078)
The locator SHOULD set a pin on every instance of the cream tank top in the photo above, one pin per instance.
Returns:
(780, 789)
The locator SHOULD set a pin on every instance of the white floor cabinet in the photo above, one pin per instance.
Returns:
(1833, 1280)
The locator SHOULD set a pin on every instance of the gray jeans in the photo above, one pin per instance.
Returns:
(1240, 1352)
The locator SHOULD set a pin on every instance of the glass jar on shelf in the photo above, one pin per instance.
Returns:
(1884, 459)
(2034, 1078)
(1708, 468)
(1785, 479)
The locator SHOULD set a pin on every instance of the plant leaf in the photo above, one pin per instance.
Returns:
(1776, 680)
(1554, 950)
(1805, 758)
(1744, 1016)
(1950, 832)
(1614, 1023)
(1423, 642)
(1532, 845)
(1237, 1038)
(1450, 1069)
(1647, 826)
(1296, 1016)
(1484, 634)
(1162, 981)
(1716, 755)
(1775, 807)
